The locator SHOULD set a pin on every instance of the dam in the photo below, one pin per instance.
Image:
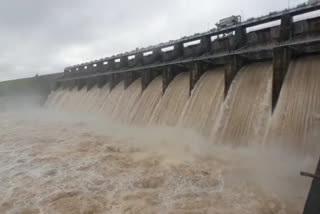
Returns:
(218, 122)
(226, 84)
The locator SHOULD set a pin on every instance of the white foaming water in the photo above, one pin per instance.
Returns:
(82, 162)
(65, 163)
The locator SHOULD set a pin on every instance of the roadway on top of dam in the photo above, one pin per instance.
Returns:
(242, 51)
(248, 23)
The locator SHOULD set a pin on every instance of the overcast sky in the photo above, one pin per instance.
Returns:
(40, 37)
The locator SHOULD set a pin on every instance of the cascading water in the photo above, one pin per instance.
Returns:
(296, 119)
(142, 112)
(103, 165)
(247, 107)
(127, 102)
(203, 106)
(173, 101)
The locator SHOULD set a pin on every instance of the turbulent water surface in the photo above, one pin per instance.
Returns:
(56, 163)
(133, 151)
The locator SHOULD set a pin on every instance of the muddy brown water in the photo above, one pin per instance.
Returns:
(128, 151)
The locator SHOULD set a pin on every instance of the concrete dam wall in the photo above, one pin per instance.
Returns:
(226, 86)
(244, 117)
(27, 91)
